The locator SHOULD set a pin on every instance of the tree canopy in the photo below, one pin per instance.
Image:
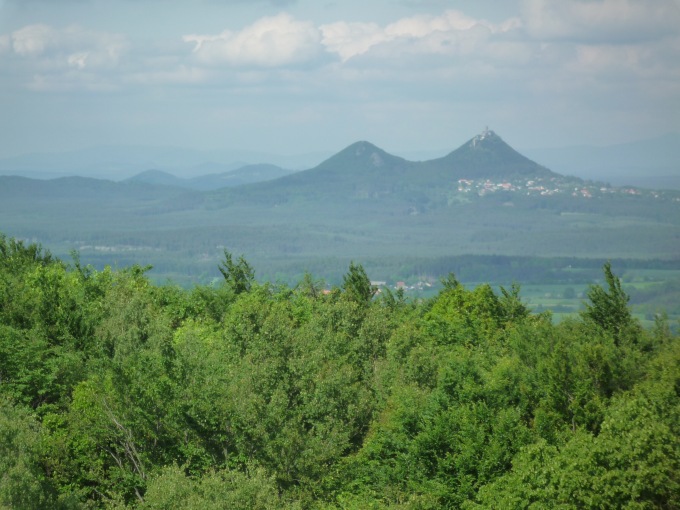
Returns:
(117, 393)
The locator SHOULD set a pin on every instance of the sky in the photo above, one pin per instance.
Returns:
(299, 76)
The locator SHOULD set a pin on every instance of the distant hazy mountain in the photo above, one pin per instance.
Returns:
(488, 156)
(360, 173)
(246, 174)
(123, 162)
(482, 198)
(114, 163)
(159, 177)
(652, 163)
(363, 171)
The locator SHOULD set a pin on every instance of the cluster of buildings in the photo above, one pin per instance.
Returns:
(530, 187)
(548, 187)
(418, 286)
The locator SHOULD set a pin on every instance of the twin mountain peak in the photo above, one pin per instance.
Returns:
(363, 172)
(484, 156)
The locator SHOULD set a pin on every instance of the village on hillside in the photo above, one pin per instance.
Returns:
(537, 186)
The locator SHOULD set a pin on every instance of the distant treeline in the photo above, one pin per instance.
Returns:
(502, 268)
(499, 269)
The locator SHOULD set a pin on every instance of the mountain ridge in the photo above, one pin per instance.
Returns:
(362, 202)
(363, 171)
(648, 163)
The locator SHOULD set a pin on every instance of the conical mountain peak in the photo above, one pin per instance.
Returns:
(364, 150)
(487, 155)
(362, 146)
(362, 155)
(363, 171)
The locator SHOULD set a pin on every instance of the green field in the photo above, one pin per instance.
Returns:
(653, 292)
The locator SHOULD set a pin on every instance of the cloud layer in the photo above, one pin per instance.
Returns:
(601, 21)
(54, 58)
(269, 42)
(573, 36)
(584, 61)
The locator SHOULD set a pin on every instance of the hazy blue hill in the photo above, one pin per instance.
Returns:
(360, 163)
(158, 177)
(122, 162)
(488, 156)
(81, 187)
(14, 187)
(107, 162)
(361, 157)
(246, 174)
(360, 171)
(74, 201)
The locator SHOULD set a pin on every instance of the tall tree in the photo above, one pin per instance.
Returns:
(357, 285)
(239, 275)
(609, 308)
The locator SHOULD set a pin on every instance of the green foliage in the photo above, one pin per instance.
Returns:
(116, 393)
(462, 316)
(608, 308)
(22, 482)
(15, 254)
(356, 284)
(238, 275)
(171, 489)
(513, 308)
(632, 463)
(47, 317)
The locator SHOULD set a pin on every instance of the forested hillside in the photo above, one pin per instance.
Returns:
(117, 393)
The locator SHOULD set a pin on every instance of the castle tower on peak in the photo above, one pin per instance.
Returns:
(482, 136)
(487, 132)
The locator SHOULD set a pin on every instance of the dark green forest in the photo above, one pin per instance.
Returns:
(116, 392)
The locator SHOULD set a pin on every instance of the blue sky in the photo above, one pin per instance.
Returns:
(297, 76)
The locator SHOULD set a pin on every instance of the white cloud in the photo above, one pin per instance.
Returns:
(32, 40)
(558, 53)
(49, 58)
(449, 33)
(599, 48)
(282, 40)
(601, 20)
(78, 60)
(72, 46)
(350, 39)
(269, 42)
